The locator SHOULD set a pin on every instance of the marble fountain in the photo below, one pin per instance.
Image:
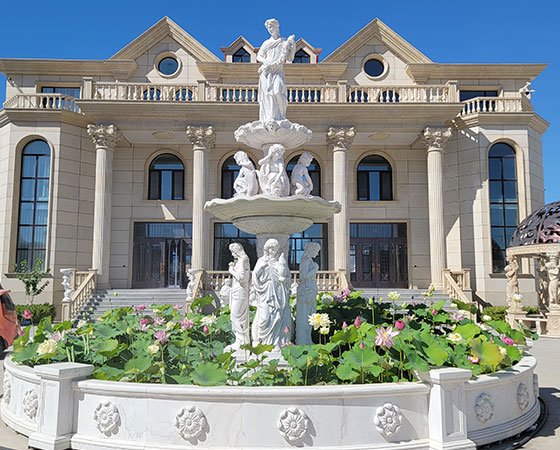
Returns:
(58, 407)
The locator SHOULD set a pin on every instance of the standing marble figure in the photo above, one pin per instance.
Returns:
(301, 182)
(273, 54)
(239, 295)
(246, 183)
(271, 282)
(306, 293)
(512, 286)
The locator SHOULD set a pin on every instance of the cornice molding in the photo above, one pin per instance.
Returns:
(118, 69)
(422, 72)
(530, 119)
(235, 45)
(165, 27)
(44, 115)
(377, 29)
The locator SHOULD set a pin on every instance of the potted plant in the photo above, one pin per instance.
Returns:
(32, 278)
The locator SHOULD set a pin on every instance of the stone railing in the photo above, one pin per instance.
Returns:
(495, 105)
(327, 280)
(456, 284)
(145, 91)
(198, 289)
(83, 285)
(43, 101)
(398, 94)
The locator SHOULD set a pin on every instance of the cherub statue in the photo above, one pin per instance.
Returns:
(246, 183)
(301, 182)
(273, 179)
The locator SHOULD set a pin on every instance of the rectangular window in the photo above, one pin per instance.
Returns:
(465, 95)
(70, 91)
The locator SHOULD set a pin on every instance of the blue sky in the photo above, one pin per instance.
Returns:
(472, 31)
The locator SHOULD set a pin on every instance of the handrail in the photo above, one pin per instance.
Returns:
(452, 288)
(478, 105)
(198, 288)
(43, 101)
(86, 287)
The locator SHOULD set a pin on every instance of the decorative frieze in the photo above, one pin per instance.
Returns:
(30, 403)
(388, 419)
(484, 407)
(293, 424)
(190, 422)
(7, 386)
(522, 396)
(107, 418)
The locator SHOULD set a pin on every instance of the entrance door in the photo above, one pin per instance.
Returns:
(149, 264)
(378, 262)
(177, 257)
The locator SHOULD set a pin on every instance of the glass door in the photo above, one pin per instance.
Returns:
(149, 264)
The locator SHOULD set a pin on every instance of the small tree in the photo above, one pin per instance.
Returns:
(31, 278)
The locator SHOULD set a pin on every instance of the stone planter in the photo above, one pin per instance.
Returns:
(57, 407)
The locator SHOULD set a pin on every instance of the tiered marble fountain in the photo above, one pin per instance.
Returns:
(271, 206)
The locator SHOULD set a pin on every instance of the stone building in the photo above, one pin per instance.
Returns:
(442, 163)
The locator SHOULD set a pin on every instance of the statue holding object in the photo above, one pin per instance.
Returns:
(306, 293)
(273, 179)
(239, 295)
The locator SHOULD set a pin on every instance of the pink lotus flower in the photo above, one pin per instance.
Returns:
(362, 346)
(345, 293)
(384, 337)
(187, 323)
(143, 326)
(508, 341)
(344, 325)
(144, 321)
(27, 314)
(399, 325)
(205, 329)
(410, 317)
(473, 359)
(140, 308)
(161, 336)
(159, 321)
(456, 316)
(287, 330)
(357, 322)
(177, 307)
(434, 312)
(58, 335)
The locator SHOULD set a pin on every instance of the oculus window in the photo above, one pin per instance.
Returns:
(33, 203)
(166, 178)
(374, 67)
(168, 66)
(375, 179)
(503, 201)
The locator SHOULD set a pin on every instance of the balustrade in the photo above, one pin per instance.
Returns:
(43, 101)
(145, 91)
(494, 105)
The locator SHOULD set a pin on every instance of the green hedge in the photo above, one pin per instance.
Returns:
(39, 311)
(496, 312)
(532, 310)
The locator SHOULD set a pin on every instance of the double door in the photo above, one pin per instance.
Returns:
(378, 263)
(161, 262)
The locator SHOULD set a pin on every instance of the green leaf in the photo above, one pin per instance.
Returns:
(467, 331)
(415, 360)
(436, 353)
(346, 335)
(138, 364)
(106, 347)
(374, 370)
(487, 352)
(346, 373)
(357, 357)
(104, 330)
(437, 306)
(258, 349)
(513, 353)
(209, 374)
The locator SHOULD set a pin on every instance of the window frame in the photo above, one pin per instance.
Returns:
(391, 182)
(317, 187)
(151, 170)
(235, 54)
(161, 57)
(299, 56)
(379, 58)
(222, 165)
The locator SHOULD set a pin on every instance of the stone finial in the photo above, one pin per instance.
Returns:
(436, 138)
(104, 135)
(201, 137)
(340, 138)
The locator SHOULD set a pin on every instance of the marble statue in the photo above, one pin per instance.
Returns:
(306, 293)
(273, 179)
(273, 54)
(552, 270)
(301, 182)
(526, 89)
(225, 292)
(246, 183)
(66, 283)
(190, 286)
(512, 287)
(271, 282)
(542, 289)
(239, 295)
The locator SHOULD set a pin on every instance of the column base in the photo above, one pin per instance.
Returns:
(49, 442)
(553, 322)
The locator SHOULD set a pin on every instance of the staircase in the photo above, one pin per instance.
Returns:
(104, 300)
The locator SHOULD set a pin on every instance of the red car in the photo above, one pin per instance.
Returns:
(9, 325)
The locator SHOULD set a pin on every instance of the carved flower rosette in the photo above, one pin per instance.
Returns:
(30, 403)
(107, 418)
(190, 422)
(293, 424)
(522, 396)
(536, 385)
(388, 419)
(484, 407)
(7, 386)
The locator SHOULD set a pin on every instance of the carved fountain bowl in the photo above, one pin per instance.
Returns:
(258, 134)
(262, 214)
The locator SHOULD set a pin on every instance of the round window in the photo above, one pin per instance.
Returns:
(168, 66)
(374, 68)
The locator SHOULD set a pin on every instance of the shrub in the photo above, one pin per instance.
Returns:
(496, 312)
(39, 312)
(532, 310)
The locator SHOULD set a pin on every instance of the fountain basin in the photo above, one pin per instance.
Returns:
(58, 408)
(259, 134)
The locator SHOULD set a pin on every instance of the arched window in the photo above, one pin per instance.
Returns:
(503, 201)
(314, 170)
(230, 170)
(375, 179)
(166, 178)
(301, 57)
(33, 203)
(241, 56)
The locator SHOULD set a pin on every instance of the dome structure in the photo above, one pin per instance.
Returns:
(540, 227)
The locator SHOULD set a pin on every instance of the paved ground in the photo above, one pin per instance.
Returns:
(547, 352)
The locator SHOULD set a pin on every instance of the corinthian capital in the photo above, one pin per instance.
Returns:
(340, 138)
(436, 138)
(201, 137)
(104, 135)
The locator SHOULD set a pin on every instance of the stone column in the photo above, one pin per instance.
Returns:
(435, 139)
(104, 137)
(202, 139)
(339, 140)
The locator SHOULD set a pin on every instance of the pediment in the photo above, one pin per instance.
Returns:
(377, 30)
(162, 29)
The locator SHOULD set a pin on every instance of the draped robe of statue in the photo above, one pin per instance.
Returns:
(306, 297)
(273, 100)
(271, 283)
(239, 299)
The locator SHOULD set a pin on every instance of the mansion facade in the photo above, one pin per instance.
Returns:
(434, 164)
